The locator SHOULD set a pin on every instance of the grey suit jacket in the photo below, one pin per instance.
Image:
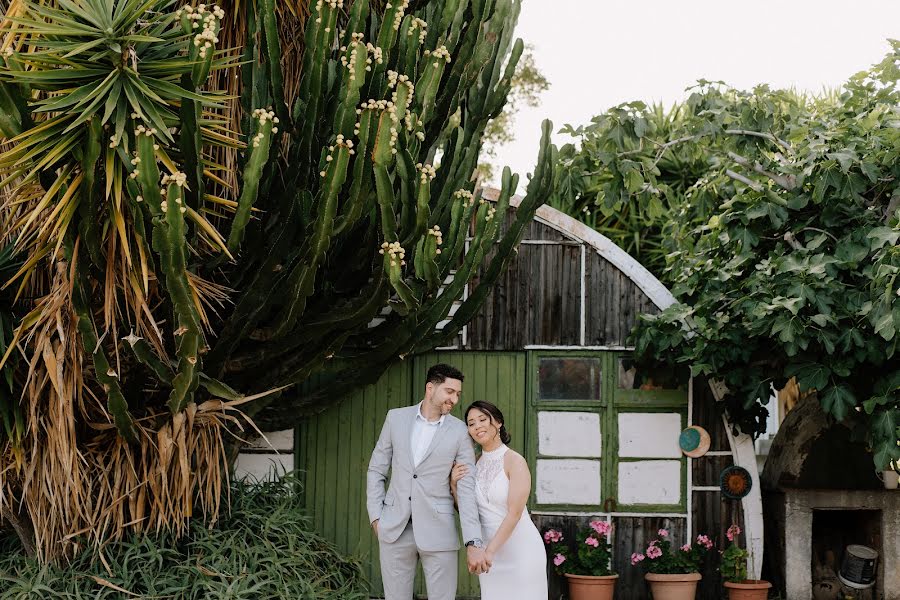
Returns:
(422, 492)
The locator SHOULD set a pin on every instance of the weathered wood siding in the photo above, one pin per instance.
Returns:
(333, 448)
(538, 300)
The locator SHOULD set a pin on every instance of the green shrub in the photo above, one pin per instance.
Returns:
(264, 548)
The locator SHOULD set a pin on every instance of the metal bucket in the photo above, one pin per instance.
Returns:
(858, 567)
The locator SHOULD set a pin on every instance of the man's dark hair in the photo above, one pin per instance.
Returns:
(439, 372)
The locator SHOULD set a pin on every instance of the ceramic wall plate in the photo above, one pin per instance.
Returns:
(735, 482)
(694, 441)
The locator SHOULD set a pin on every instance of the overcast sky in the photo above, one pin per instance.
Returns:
(599, 53)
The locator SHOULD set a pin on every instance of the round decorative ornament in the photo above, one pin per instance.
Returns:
(735, 482)
(694, 441)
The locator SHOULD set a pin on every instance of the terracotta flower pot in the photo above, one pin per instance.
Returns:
(591, 587)
(677, 586)
(749, 589)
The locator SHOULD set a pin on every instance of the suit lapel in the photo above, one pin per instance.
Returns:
(442, 428)
(409, 422)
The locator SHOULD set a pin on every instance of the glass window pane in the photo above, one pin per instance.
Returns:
(657, 377)
(575, 378)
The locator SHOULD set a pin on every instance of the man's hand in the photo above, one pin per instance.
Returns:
(488, 560)
(375, 527)
(475, 560)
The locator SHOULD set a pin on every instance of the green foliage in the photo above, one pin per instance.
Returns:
(733, 566)
(773, 219)
(265, 548)
(631, 172)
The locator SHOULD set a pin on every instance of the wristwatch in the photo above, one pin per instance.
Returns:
(475, 543)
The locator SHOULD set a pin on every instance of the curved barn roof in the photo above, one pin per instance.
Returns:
(578, 231)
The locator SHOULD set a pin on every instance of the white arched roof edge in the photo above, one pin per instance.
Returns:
(742, 444)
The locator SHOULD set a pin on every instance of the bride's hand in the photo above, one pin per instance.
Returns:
(456, 473)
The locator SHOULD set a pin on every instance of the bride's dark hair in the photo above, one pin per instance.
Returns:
(494, 413)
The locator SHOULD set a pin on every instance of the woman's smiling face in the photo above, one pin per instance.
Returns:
(481, 427)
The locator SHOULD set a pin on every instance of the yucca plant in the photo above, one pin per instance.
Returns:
(194, 261)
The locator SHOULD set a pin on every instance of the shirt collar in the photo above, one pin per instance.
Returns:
(419, 415)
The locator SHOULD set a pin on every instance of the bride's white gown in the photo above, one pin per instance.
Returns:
(519, 571)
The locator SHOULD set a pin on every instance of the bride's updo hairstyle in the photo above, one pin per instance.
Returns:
(494, 413)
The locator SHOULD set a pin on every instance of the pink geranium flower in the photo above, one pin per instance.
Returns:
(552, 536)
(733, 532)
(592, 541)
(653, 551)
(686, 548)
(601, 527)
(663, 533)
(559, 559)
(636, 558)
(704, 540)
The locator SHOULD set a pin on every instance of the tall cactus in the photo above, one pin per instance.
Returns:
(355, 197)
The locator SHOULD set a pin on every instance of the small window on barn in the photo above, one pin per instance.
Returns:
(605, 433)
(575, 378)
(631, 377)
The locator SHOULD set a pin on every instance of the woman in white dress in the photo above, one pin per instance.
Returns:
(515, 560)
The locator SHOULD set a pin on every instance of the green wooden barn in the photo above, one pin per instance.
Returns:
(549, 347)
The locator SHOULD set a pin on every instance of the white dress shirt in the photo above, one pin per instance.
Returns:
(423, 432)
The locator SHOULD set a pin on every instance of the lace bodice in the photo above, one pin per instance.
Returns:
(488, 467)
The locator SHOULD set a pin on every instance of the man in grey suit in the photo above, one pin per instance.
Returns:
(415, 520)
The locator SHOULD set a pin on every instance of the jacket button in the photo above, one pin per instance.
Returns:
(410, 497)
(415, 476)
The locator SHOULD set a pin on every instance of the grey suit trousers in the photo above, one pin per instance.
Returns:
(398, 568)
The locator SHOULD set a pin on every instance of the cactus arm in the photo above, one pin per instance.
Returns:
(361, 181)
(191, 149)
(258, 149)
(171, 245)
(145, 354)
(273, 54)
(320, 32)
(105, 374)
(359, 13)
(387, 37)
(302, 278)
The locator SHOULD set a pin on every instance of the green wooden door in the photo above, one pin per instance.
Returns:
(333, 448)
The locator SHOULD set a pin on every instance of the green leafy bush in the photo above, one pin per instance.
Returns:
(264, 548)
(773, 219)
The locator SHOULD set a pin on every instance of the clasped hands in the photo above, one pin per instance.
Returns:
(478, 560)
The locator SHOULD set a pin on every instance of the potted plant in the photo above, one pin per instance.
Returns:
(734, 571)
(673, 571)
(586, 567)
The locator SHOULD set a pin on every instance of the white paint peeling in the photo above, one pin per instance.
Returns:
(569, 434)
(574, 481)
(650, 482)
(649, 435)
